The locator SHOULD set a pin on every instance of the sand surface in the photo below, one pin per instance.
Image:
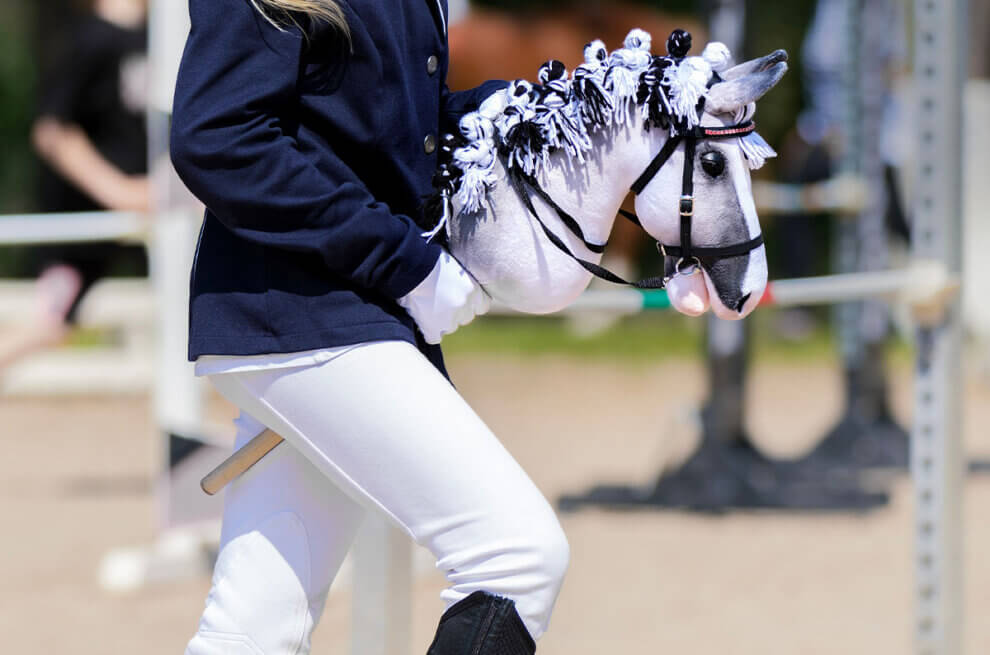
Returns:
(77, 481)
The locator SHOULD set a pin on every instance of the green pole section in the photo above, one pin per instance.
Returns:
(655, 299)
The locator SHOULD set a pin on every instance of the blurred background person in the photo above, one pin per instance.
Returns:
(815, 148)
(90, 136)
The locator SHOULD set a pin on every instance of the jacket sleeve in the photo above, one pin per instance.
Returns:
(232, 145)
(454, 104)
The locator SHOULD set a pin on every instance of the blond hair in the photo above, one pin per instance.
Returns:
(282, 12)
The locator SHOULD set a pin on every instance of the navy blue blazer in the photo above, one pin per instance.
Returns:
(312, 162)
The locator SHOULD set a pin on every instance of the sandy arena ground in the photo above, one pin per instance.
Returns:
(77, 476)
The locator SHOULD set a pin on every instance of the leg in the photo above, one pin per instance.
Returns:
(286, 530)
(390, 431)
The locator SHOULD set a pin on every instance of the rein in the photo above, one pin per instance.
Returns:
(687, 253)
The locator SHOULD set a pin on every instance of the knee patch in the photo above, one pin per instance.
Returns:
(260, 600)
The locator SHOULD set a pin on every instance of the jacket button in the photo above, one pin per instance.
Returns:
(432, 64)
(429, 144)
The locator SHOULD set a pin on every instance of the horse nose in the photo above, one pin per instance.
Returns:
(742, 303)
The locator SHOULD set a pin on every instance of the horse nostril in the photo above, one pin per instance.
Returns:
(742, 303)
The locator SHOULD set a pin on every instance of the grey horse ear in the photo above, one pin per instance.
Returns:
(728, 96)
(755, 65)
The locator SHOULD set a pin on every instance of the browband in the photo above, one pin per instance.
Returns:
(699, 132)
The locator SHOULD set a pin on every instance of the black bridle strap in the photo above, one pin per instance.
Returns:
(655, 165)
(703, 252)
(566, 218)
(687, 196)
(519, 182)
(631, 217)
(720, 252)
(740, 129)
(601, 271)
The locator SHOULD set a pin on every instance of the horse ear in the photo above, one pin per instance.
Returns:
(755, 65)
(728, 96)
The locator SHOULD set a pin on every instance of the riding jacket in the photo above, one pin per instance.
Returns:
(312, 157)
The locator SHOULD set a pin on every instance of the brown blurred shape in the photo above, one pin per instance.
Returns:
(490, 44)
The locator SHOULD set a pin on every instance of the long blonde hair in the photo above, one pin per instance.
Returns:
(282, 12)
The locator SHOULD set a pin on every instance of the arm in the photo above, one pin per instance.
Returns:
(63, 104)
(232, 145)
(72, 154)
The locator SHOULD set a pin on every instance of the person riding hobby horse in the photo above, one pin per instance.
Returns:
(309, 129)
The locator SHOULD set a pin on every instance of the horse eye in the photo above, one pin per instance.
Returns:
(713, 163)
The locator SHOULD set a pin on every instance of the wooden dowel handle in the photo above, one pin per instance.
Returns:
(244, 458)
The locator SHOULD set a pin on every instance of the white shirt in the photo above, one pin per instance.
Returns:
(217, 364)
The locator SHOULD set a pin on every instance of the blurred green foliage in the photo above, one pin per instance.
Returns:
(771, 26)
(17, 80)
(18, 75)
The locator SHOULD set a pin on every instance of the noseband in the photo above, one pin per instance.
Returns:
(686, 253)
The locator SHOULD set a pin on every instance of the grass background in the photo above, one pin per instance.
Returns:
(642, 339)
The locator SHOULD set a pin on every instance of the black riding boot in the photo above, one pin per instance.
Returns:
(482, 624)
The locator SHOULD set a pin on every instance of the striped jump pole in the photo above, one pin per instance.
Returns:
(924, 286)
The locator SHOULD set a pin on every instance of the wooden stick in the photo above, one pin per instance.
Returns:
(243, 459)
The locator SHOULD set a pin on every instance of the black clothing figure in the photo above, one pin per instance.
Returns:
(99, 84)
(90, 136)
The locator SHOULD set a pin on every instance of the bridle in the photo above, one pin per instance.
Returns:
(687, 253)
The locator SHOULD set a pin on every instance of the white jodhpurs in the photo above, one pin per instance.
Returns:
(376, 428)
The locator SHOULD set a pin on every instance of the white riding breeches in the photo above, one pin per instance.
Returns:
(379, 428)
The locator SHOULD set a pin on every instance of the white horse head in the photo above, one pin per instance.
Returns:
(552, 162)
(723, 209)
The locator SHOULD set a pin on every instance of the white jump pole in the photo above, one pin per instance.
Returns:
(936, 443)
(72, 227)
(177, 395)
(177, 399)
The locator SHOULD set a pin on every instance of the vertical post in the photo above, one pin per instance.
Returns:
(726, 342)
(728, 345)
(936, 458)
(382, 588)
(177, 396)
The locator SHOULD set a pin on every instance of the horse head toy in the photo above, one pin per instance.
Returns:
(528, 191)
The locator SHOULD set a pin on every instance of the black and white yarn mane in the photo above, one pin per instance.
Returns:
(528, 122)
